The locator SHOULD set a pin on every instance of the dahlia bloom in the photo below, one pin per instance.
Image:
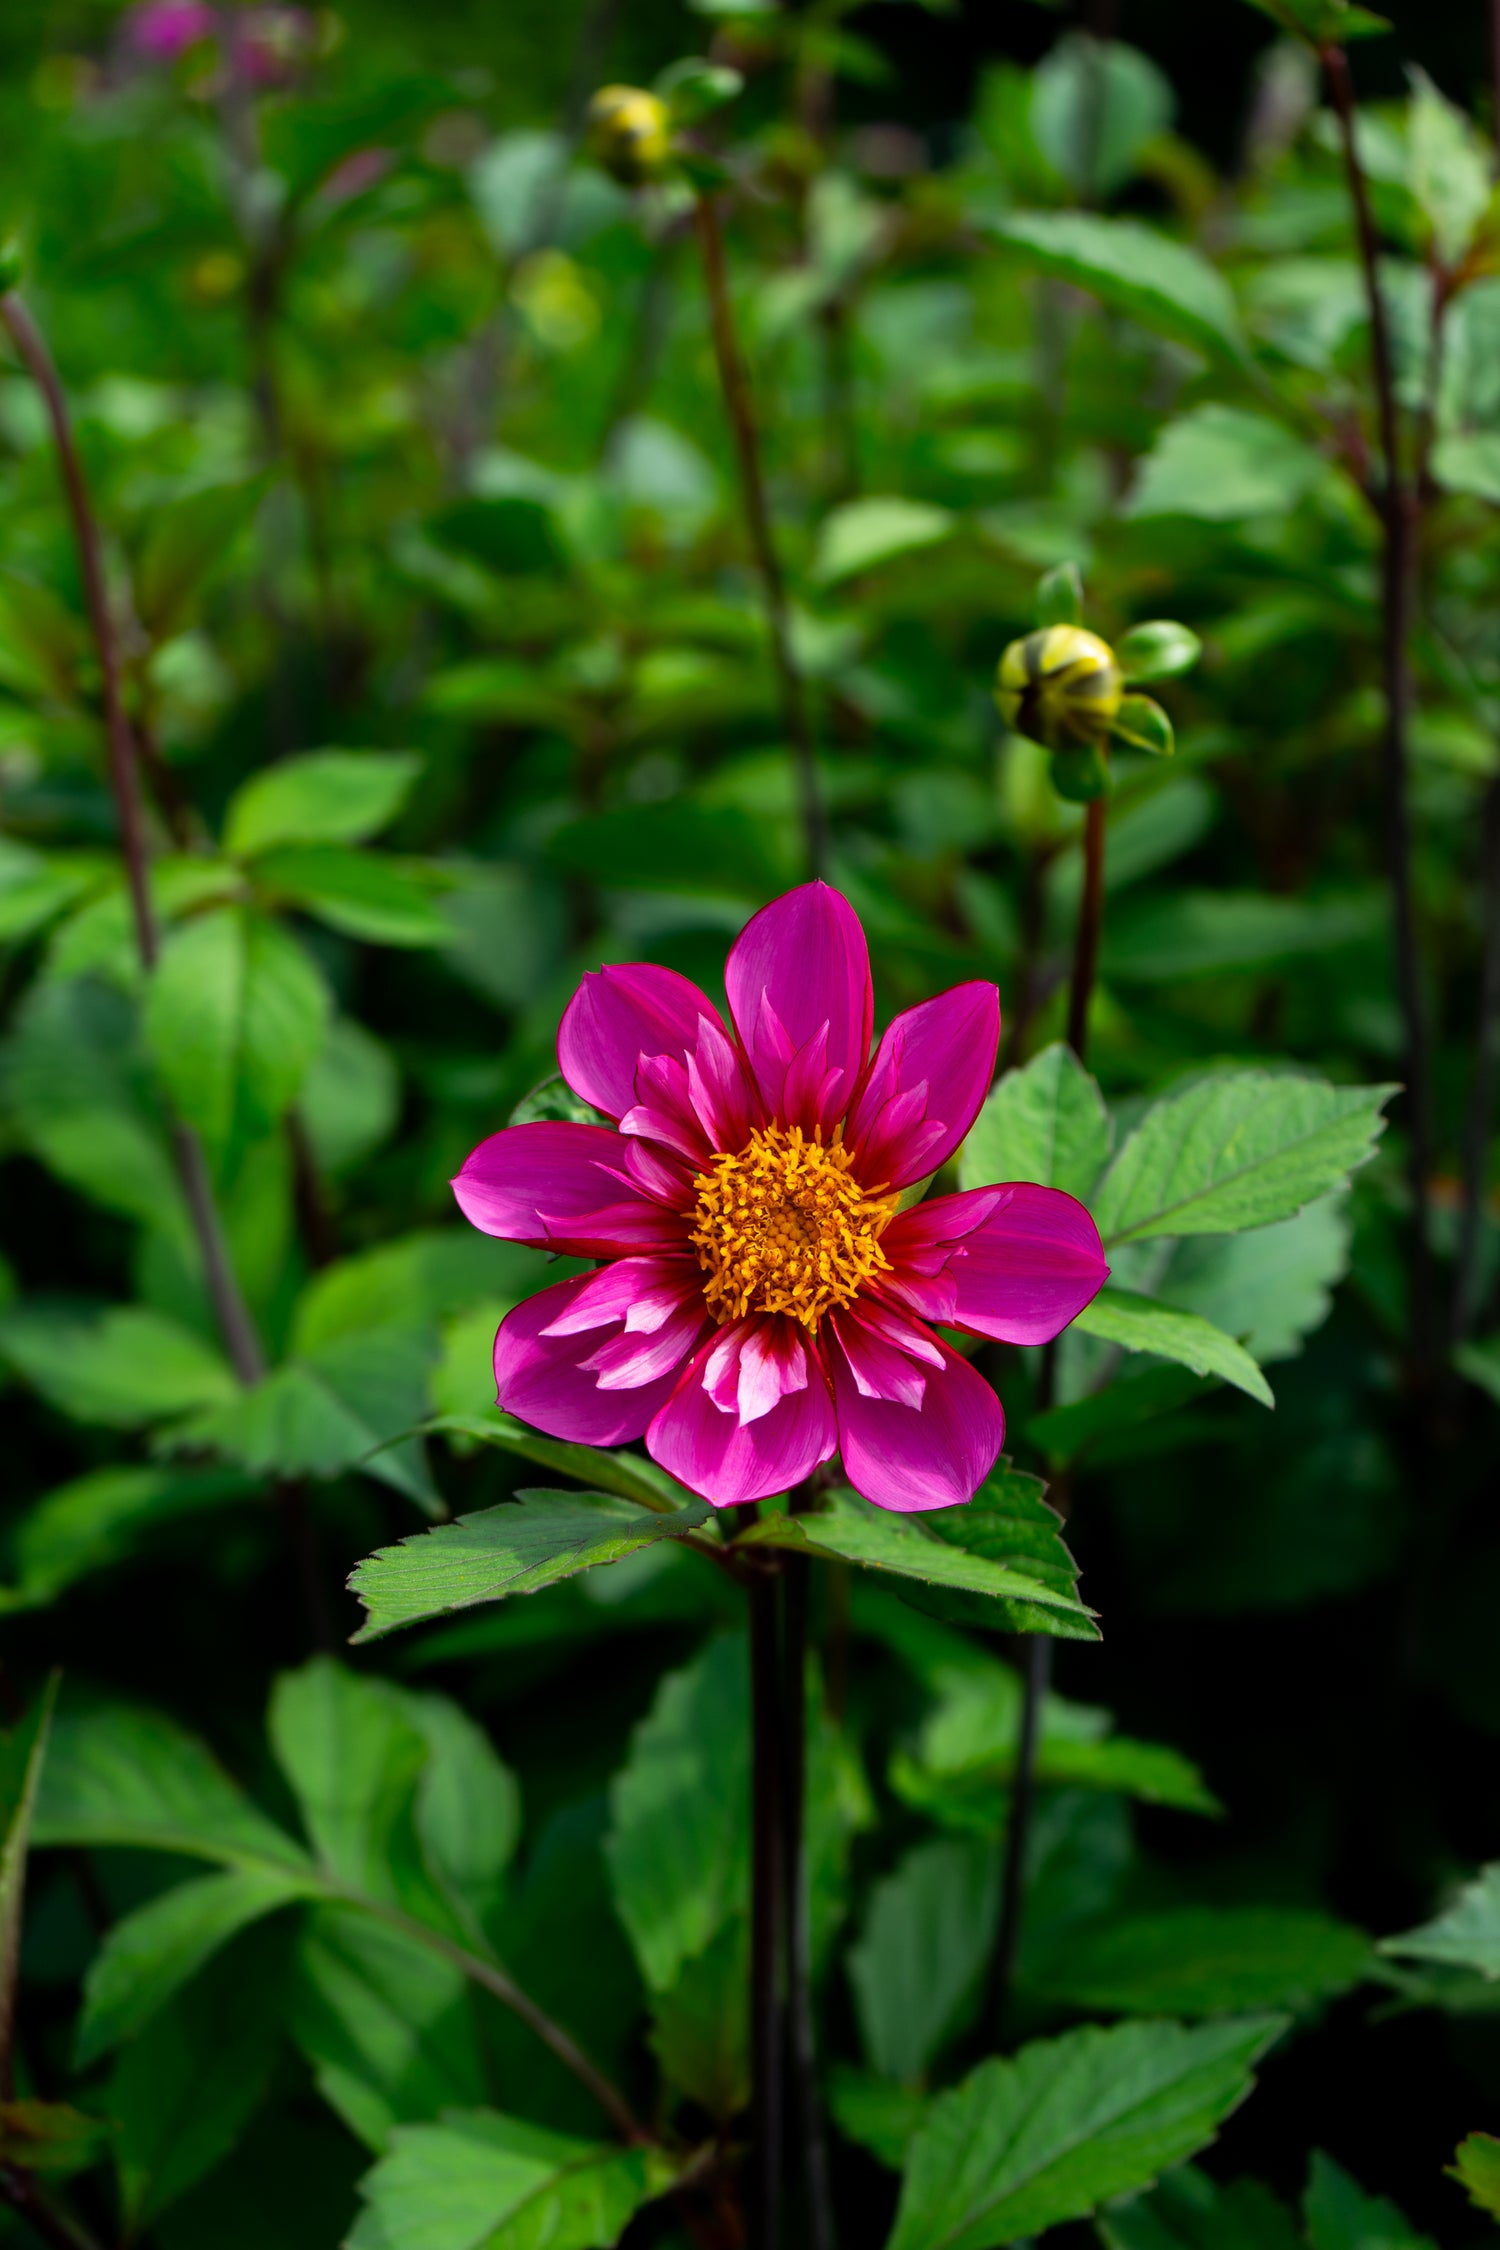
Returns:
(764, 1300)
(165, 29)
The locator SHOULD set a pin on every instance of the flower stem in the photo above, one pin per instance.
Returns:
(807, 2106)
(233, 1314)
(1089, 926)
(767, 1914)
(735, 384)
(1397, 506)
(1469, 1283)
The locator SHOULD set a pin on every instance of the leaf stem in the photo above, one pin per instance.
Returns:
(801, 2031)
(1398, 506)
(19, 2189)
(768, 1890)
(233, 1314)
(735, 384)
(1089, 926)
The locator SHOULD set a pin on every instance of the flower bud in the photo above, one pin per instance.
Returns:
(629, 134)
(1060, 686)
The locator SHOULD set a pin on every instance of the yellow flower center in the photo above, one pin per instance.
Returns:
(785, 1227)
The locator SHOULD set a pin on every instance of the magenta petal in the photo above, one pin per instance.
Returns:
(935, 1455)
(616, 1016)
(707, 1445)
(541, 1378)
(567, 1187)
(942, 1053)
(1016, 1262)
(799, 965)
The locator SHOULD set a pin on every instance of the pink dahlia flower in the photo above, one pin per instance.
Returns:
(165, 29)
(763, 1301)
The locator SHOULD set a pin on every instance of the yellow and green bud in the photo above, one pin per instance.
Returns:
(1061, 687)
(630, 134)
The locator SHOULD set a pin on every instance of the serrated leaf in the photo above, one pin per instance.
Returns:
(1190, 2211)
(1340, 2216)
(1205, 1961)
(1466, 1934)
(1068, 2124)
(1135, 270)
(147, 1958)
(1140, 1324)
(1008, 1521)
(1476, 2166)
(530, 1542)
(326, 797)
(1236, 1151)
(848, 1528)
(630, 1476)
(1045, 1122)
(480, 2181)
(1272, 1286)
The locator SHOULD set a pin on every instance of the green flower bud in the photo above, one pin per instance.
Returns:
(1061, 686)
(629, 134)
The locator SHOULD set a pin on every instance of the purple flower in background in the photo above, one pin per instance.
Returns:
(764, 1301)
(164, 29)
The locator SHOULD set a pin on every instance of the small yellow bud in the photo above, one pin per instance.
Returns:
(1060, 687)
(630, 133)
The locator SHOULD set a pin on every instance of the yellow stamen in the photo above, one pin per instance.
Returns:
(785, 1227)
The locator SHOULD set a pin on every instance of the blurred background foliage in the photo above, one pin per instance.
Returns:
(449, 672)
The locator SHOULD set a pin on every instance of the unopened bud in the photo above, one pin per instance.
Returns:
(1060, 686)
(630, 134)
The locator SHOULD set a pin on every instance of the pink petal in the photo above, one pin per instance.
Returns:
(619, 1014)
(935, 1455)
(542, 1374)
(569, 1188)
(749, 1417)
(798, 966)
(929, 1075)
(1016, 1262)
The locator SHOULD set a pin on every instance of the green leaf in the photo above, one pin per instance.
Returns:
(1068, 2124)
(1272, 1286)
(1008, 1521)
(119, 1366)
(36, 887)
(1205, 1961)
(21, 1758)
(417, 1280)
(99, 1519)
(849, 1529)
(351, 1097)
(878, 529)
(1449, 170)
(1157, 650)
(700, 2031)
(1323, 23)
(1235, 1151)
(1143, 725)
(1339, 2215)
(480, 2181)
(1469, 461)
(235, 1014)
(326, 797)
(387, 2025)
(120, 1775)
(1466, 1934)
(1476, 2166)
(1096, 105)
(1164, 939)
(1480, 1363)
(1059, 596)
(1135, 270)
(49, 2137)
(629, 1476)
(881, 2117)
(342, 1407)
(468, 1805)
(1223, 464)
(678, 1850)
(147, 1958)
(1140, 1324)
(184, 2090)
(527, 1543)
(1190, 2211)
(922, 1952)
(1045, 1122)
(359, 894)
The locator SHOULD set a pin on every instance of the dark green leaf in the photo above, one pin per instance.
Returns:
(1134, 270)
(1340, 2216)
(121, 1366)
(1206, 1961)
(21, 1761)
(1190, 2211)
(922, 1952)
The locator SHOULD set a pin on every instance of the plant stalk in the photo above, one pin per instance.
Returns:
(807, 2105)
(1089, 926)
(768, 1936)
(233, 1315)
(735, 384)
(1468, 1288)
(1397, 506)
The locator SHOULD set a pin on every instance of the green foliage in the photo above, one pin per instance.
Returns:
(1466, 1934)
(1476, 2166)
(1069, 2124)
(480, 2178)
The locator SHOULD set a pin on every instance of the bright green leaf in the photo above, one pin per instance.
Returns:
(480, 2181)
(1476, 2166)
(1190, 2211)
(1224, 463)
(1140, 1324)
(327, 797)
(360, 894)
(1135, 270)
(1466, 1934)
(1045, 1122)
(878, 529)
